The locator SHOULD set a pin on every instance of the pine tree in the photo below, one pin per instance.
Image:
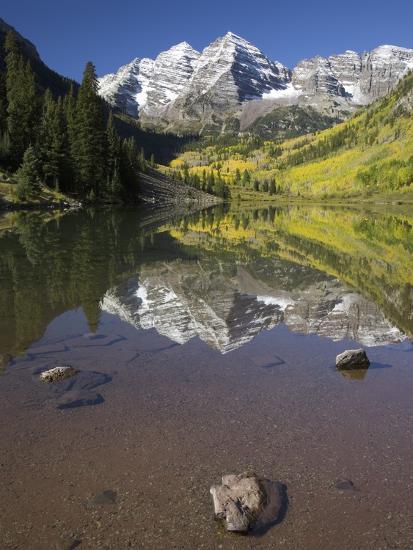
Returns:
(69, 114)
(22, 103)
(53, 143)
(89, 139)
(129, 168)
(114, 153)
(27, 174)
(48, 162)
(3, 104)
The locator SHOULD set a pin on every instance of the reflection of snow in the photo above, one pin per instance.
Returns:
(227, 320)
(280, 302)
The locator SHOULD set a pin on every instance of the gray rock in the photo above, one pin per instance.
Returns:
(352, 359)
(58, 373)
(246, 502)
(344, 485)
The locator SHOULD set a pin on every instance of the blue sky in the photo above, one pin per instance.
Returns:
(69, 33)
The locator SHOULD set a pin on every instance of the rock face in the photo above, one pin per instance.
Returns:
(184, 91)
(352, 359)
(246, 502)
(127, 87)
(146, 87)
(229, 72)
(361, 78)
(58, 373)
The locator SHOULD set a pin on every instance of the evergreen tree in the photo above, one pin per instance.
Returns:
(4, 136)
(53, 142)
(89, 140)
(27, 175)
(69, 113)
(114, 154)
(129, 168)
(48, 160)
(22, 104)
(3, 104)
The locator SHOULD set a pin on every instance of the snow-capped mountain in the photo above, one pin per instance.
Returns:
(183, 90)
(146, 84)
(360, 78)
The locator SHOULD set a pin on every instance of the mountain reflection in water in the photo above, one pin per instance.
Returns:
(223, 275)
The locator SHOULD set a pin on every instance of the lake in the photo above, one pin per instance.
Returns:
(206, 345)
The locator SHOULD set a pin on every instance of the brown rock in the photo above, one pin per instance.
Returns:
(245, 502)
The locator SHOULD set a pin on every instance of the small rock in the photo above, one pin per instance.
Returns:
(105, 497)
(58, 373)
(67, 543)
(352, 359)
(245, 502)
(344, 485)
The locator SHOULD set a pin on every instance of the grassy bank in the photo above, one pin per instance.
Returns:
(44, 197)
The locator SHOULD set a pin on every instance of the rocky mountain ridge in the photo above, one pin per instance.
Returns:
(231, 83)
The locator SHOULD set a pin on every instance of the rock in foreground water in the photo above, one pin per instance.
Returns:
(352, 359)
(58, 373)
(246, 501)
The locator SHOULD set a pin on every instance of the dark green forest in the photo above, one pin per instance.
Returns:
(68, 142)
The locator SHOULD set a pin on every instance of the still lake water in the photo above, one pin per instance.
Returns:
(206, 345)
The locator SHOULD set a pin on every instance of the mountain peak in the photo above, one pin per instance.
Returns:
(232, 37)
(182, 46)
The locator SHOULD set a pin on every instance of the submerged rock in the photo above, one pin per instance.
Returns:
(246, 501)
(344, 485)
(104, 498)
(58, 373)
(352, 359)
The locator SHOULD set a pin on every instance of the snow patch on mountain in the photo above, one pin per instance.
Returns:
(289, 92)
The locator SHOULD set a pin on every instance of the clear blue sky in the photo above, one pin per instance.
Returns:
(69, 33)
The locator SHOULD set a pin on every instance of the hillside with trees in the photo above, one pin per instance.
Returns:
(371, 153)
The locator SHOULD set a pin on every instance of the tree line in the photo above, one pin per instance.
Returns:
(68, 143)
(210, 182)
